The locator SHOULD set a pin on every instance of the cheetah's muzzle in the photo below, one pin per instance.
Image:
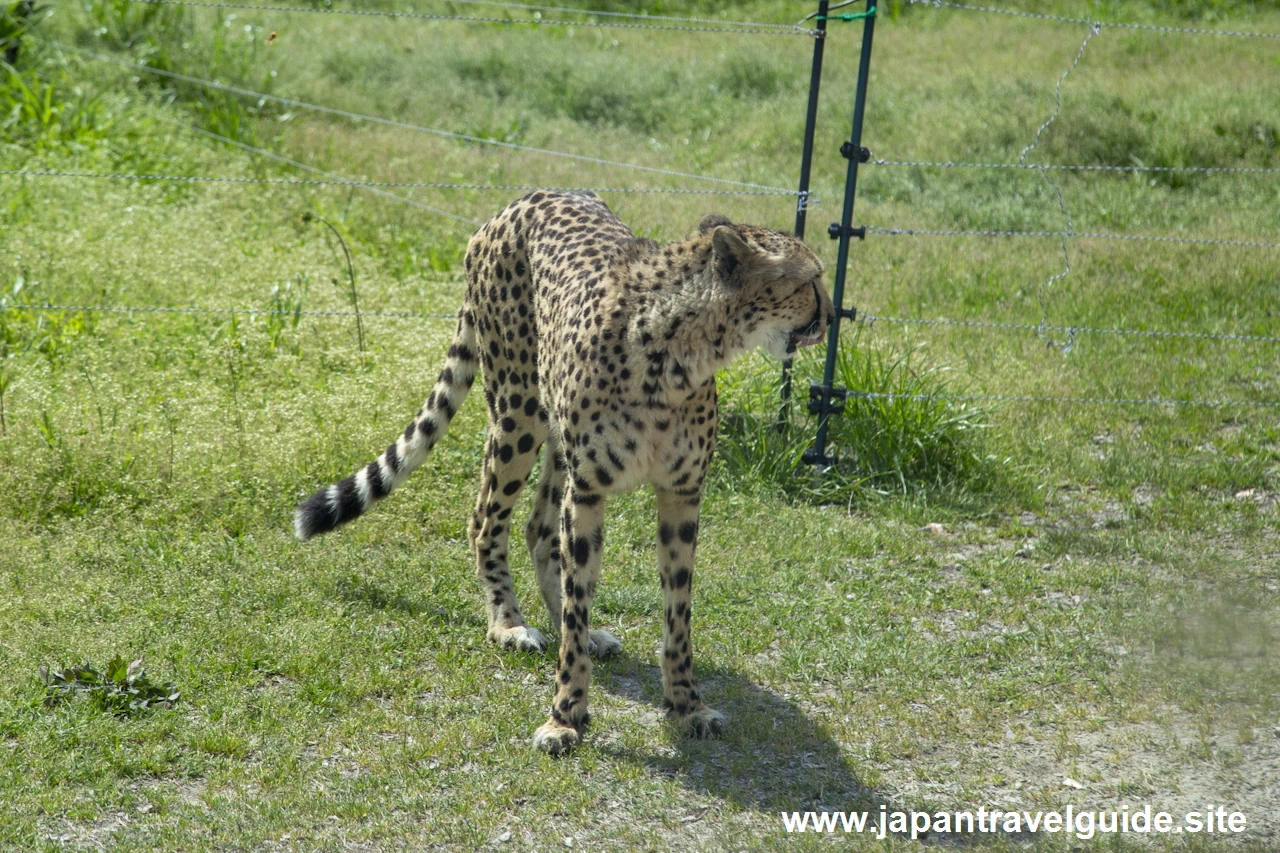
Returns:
(812, 332)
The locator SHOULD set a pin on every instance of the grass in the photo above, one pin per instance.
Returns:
(976, 605)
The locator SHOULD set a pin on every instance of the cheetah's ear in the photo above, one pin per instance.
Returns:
(712, 220)
(729, 251)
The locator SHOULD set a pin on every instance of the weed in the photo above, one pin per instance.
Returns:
(233, 353)
(121, 689)
(351, 274)
(283, 313)
(40, 109)
(48, 432)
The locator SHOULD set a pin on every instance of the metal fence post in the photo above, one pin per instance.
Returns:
(824, 400)
(806, 161)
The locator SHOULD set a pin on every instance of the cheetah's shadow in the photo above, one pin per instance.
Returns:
(773, 757)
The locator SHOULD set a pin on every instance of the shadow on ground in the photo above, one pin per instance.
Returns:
(773, 756)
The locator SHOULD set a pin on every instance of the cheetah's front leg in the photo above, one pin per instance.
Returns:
(582, 541)
(677, 541)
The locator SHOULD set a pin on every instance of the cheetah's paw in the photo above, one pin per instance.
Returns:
(602, 644)
(555, 738)
(703, 723)
(521, 637)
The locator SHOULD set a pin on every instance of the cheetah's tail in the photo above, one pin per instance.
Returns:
(341, 502)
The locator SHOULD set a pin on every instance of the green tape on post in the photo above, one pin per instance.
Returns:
(850, 16)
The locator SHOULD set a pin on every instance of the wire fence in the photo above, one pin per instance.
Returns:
(693, 25)
(1205, 170)
(307, 167)
(348, 182)
(723, 186)
(1075, 235)
(871, 319)
(943, 4)
(823, 394)
(951, 398)
(1093, 401)
(401, 125)
(1043, 328)
(253, 312)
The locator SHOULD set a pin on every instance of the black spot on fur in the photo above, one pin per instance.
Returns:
(688, 531)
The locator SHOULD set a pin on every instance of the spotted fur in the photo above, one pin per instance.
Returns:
(603, 347)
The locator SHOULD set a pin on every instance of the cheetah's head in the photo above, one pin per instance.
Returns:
(780, 302)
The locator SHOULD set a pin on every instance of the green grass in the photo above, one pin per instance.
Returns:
(975, 605)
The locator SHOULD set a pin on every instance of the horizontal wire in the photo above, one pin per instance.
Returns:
(967, 398)
(939, 4)
(354, 183)
(1078, 235)
(743, 29)
(448, 134)
(633, 15)
(151, 309)
(868, 319)
(1120, 401)
(871, 319)
(1073, 168)
(262, 152)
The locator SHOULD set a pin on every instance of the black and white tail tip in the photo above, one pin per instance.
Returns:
(328, 508)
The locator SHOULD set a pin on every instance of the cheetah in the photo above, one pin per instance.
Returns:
(603, 347)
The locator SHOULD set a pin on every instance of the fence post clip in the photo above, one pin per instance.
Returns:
(826, 400)
(835, 231)
(849, 151)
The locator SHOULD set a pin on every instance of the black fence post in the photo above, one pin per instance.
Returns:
(825, 400)
(22, 14)
(806, 161)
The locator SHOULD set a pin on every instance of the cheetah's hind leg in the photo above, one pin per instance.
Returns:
(509, 455)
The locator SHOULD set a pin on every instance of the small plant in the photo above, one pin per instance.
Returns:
(121, 689)
(284, 312)
(23, 331)
(233, 351)
(39, 107)
(351, 273)
(45, 113)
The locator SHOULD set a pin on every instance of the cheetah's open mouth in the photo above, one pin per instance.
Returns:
(810, 333)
